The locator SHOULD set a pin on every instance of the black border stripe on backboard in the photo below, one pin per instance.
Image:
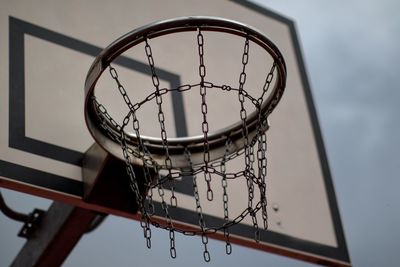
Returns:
(36, 177)
(17, 134)
(247, 231)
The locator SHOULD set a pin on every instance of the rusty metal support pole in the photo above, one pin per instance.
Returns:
(62, 227)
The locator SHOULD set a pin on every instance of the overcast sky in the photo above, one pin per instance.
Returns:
(351, 51)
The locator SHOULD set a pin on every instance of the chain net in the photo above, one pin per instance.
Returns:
(166, 174)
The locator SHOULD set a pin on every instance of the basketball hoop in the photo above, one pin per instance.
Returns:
(190, 157)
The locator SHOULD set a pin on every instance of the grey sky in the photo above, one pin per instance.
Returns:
(352, 58)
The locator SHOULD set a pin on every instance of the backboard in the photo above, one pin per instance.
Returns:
(47, 51)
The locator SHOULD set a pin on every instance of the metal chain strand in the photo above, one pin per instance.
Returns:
(134, 183)
(206, 253)
(146, 230)
(204, 126)
(121, 88)
(263, 125)
(267, 83)
(161, 120)
(142, 154)
(135, 188)
(169, 226)
(262, 166)
(249, 153)
(199, 210)
(150, 203)
(224, 182)
(172, 250)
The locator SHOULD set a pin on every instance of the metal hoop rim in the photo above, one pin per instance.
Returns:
(216, 139)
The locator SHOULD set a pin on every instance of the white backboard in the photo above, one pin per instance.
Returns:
(47, 50)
